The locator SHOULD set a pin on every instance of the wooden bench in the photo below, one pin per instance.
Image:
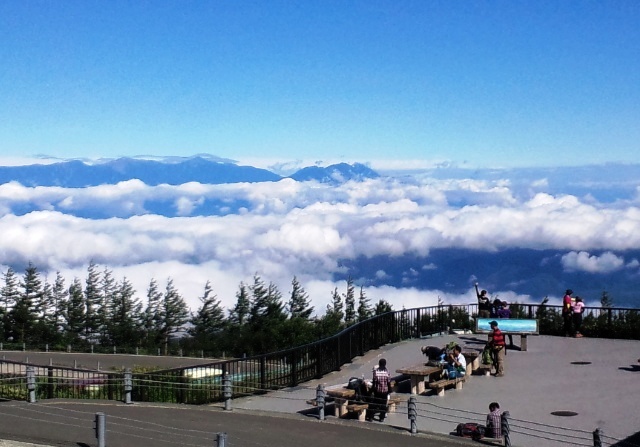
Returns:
(439, 385)
(393, 403)
(473, 361)
(484, 369)
(360, 410)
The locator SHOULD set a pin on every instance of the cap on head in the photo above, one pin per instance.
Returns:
(493, 323)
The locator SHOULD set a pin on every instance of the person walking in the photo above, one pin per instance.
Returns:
(497, 345)
(381, 389)
(567, 302)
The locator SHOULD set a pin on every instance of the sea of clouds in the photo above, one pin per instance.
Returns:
(194, 233)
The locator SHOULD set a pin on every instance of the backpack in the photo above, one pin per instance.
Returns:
(486, 356)
(470, 430)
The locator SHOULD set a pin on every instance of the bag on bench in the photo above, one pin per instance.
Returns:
(470, 430)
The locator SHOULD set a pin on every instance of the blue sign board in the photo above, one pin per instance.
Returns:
(524, 326)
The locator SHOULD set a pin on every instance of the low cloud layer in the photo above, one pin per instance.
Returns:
(288, 228)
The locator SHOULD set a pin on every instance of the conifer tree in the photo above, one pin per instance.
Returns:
(9, 294)
(364, 306)
(153, 314)
(23, 316)
(175, 314)
(75, 314)
(93, 301)
(108, 295)
(382, 307)
(208, 321)
(59, 299)
(299, 303)
(125, 310)
(266, 317)
(240, 312)
(350, 303)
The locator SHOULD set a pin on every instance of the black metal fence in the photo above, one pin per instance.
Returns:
(204, 383)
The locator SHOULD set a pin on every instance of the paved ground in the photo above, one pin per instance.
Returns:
(543, 380)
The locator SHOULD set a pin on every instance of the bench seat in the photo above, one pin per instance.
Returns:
(359, 410)
(440, 385)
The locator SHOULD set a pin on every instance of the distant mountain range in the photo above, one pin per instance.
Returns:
(78, 174)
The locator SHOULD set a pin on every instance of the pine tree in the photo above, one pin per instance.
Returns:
(267, 316)
(208, 321)
(240, 312)
(60, 297)
(299, 303)
(336, 307)
(75, 314)
(93, 301)
(125, 324)
(382, 307)
(23, 316)
(9, 294)
(108, 295)
(350, 303)
(364, 308)
(175, 314)
(606, 300)
(153, 314)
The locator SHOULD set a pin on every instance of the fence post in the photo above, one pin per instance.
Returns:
(597, 442)
(46, 347)
(226, 390)
(504, 422)
(101, 429)
(68, 348)
(221, 439)
(31, 383)
(320, 401)
(413, 414)
(128, 386)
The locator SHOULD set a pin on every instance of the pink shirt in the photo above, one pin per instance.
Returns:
(578, 307)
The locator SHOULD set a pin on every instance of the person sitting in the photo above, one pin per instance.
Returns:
(456, 364)
(494, 421)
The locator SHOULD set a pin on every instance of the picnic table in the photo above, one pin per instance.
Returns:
(341, 398)
(419, 374)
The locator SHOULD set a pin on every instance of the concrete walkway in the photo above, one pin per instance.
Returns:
(596, 379)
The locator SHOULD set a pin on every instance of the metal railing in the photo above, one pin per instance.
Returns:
(287, 368)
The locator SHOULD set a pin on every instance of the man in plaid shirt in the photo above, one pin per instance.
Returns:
(494, 421)
(381, 382)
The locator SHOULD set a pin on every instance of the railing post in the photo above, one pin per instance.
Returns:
(418, 333)
(221, 440)
(412, 414)
(128, 385)
(50, 382)
(31, 383)
(320, 401)
(597, 441)
(294, 368)
(101, 429)
(504, 422)
(226, 391)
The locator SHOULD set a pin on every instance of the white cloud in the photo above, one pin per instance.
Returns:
(289, 228)
(583, 261)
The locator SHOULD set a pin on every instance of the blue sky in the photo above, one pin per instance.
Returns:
(503, 83)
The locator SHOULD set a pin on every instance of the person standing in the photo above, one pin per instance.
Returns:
(484, 303)
(505, 312)
(577, 309)
(567, 303)
(494, 421)
(497, 345)
(380, 385)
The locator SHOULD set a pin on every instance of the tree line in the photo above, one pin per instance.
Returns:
(101, 312)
